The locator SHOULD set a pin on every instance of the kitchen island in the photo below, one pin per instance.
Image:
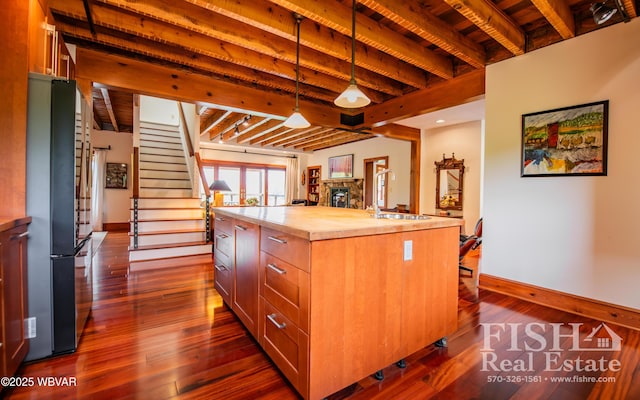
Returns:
(334, 295)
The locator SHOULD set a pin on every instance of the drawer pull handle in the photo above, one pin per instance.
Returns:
(20, 236)
(220, 219)
(279, 271)
(272, 318)
(277, 240)
(222, 236)
(220, 268)
(240, 227)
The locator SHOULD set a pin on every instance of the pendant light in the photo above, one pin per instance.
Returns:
(296, 120)
(352, 97)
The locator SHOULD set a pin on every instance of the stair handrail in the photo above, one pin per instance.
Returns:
(192, 154)
(135, 172)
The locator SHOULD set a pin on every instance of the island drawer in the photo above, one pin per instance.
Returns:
(286, 345)
(223, 244)
(285, 287)
(288, 248)
(223, 279)
(223, 223)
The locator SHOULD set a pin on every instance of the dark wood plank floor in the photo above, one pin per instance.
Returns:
(166, 334)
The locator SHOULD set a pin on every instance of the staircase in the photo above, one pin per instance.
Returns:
(171, 222)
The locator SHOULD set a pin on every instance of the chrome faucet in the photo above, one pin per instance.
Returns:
(375, 188)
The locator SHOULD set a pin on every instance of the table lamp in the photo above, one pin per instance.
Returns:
(216, 187)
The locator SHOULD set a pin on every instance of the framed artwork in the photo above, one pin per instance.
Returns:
(116, 176)
(566, 141)
(341, 167)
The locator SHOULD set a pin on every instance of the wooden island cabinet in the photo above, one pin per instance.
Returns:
(342, 295)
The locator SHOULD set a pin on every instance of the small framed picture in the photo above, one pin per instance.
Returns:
(116, 176)
(341, 167)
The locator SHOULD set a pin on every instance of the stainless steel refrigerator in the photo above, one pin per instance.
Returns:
(59, 255)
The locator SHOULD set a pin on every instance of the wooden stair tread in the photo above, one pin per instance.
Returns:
(170, 245)
(176, 231)
(169, 219)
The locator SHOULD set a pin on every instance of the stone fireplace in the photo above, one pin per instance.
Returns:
(347, 193)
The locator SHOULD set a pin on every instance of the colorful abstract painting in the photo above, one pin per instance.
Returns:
(566, 141)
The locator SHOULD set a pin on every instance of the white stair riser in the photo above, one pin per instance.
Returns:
(164, 183)
(162, 166)
(162, 131)
(169, 203)
(144, 151)
(162, 159)
(161, 143)
(150, 136)
(172, 214)
(165, 192)
(168, 238)
(138, 255)
(154, 174)
(180, 225)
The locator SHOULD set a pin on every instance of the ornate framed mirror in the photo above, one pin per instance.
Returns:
(449, 180)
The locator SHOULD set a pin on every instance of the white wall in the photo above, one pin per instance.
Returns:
(399, 152)
(161, 111)
(577, 235)
(116, 201)
(465, 141)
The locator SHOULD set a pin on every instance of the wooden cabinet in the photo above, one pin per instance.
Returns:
(313, 185)
(284, 304)
(337, 309)
(247, 258)
(224, 254)
(13, 294)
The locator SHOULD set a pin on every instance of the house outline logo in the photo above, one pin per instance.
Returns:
(610, 342)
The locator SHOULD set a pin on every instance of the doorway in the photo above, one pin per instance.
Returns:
(371, 167)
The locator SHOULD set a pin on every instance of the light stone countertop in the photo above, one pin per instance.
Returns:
(320, 223)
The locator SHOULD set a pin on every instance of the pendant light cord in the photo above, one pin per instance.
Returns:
(298, 18)
(353, 44)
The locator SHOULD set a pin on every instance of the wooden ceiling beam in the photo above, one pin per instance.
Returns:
(459, 90)
(559, 15)
(488, 17)
(267, 127)
(415, 18)
(176, 84)
(107, 103)
(338, 18)
(213, 120)
(279, 21)
(224, 38)
(298, 136)
(337, 142)
(215, 56)
(244, 126)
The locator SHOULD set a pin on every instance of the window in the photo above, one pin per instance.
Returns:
(264, 183)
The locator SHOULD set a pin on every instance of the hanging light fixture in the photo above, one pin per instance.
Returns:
(352, 97)
(296, 120)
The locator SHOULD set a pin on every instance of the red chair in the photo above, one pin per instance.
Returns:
(470, 242)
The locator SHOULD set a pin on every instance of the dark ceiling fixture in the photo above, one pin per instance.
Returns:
(602, 12)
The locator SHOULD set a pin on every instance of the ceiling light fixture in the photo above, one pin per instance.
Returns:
(602, 12)
(352, 97)
(296, 120)
(245, 121)
(220, 139)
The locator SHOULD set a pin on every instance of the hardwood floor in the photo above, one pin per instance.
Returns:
(166, 334)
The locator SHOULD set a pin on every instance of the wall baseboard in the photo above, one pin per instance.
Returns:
(116, 226)
(599, 310)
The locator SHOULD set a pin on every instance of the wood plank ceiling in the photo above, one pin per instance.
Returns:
(236, 59)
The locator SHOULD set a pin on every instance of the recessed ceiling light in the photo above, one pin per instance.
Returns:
(440, 121)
